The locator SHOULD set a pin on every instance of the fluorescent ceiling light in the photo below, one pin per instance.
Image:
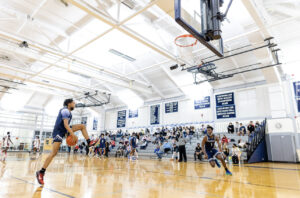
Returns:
(131, 99)
(117, 53)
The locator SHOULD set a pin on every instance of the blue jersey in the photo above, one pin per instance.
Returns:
(59, 128)
(210, 142)
(102, 143)
(133, 142)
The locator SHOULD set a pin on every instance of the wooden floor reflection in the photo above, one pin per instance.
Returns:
(79, 176)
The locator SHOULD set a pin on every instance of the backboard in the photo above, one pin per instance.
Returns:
(196, 17)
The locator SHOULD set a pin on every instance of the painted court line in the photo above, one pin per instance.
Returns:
(49, 189)
(229, 181)
(265, 167)
(210, 178)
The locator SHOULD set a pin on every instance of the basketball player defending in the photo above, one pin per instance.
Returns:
(5, 146)
(210, 152)
(61, 129)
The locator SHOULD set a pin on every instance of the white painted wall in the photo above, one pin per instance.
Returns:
(254, 103)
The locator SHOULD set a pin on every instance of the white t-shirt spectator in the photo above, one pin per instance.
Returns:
(236, 151)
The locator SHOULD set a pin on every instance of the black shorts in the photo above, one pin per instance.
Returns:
(58, 135)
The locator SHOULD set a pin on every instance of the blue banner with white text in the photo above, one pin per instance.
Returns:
(155, 114)
(133, 113)
(171, 107)
(121, 121)
(225, 106)
(202, 104)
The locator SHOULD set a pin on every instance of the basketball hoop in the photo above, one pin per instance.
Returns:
(186, 40)
(185, 45)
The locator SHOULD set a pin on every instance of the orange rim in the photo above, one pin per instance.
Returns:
(186, 36)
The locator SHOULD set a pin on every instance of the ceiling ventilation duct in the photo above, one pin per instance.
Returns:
(81, 75)
(129, 3)
(117, 53)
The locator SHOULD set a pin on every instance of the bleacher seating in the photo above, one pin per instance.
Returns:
(190, 148)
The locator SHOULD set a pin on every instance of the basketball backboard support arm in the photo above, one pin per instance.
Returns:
(200, 36)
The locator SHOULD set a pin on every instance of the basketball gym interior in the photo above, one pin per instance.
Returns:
(154, 70)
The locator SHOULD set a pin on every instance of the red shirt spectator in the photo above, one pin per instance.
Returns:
(224, 140)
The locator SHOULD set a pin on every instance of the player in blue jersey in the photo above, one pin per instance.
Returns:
(133, 146)
(212, 154)
(61, 129)
(102, 145)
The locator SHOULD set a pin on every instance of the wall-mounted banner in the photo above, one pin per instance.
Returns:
(225, 112)
(225, 99)
(154, 114)
(95, 124)
(171, 107)
(133, 113)
(225, 106)
(297, 94)
(121, 121)
(202, 104)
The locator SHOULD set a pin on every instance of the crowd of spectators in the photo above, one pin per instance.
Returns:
(241, 129)
(169, 141)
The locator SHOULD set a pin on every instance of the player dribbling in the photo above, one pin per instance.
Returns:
(212, 154)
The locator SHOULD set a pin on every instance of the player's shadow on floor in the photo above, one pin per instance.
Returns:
(38, 192)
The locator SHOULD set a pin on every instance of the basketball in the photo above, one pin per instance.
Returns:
(70, 141)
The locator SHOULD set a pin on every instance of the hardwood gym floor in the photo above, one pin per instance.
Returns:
(82, 177)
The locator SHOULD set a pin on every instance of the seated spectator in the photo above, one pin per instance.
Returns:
(230, 128)
(158, 151)
(236, 153)
(198, 152)
(120, 151)
(161, 139)
(175, 152)
(167, 147)
(144, 144)
(113, 144)
(242, 130)
(224, 141)
(169, 135)
(148, 138)
(192, 130)
(251, 127)
(241, 144)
